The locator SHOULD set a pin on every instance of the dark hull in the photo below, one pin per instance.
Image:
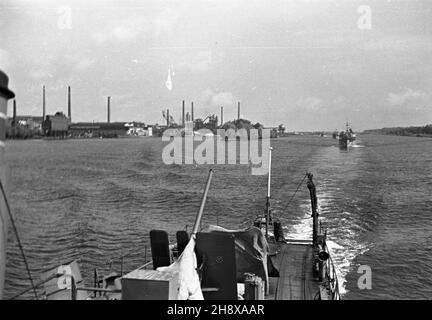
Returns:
(344, 142)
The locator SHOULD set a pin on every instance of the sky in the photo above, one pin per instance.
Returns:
(308, 64)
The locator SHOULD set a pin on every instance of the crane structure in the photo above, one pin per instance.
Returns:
(169, 118)
(212, 122)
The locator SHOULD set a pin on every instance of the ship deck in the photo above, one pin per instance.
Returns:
(293, 260)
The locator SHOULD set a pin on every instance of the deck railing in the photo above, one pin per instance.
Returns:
(331, 275)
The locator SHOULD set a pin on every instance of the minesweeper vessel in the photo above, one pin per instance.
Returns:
(347, 137)
(213, 263)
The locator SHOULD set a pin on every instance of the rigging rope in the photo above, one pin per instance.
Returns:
(292, 197)
(18, 238)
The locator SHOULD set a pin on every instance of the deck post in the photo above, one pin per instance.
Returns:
(268, 193)
(312, 191)
(203, 201)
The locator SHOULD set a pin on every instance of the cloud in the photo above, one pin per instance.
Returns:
(124, 33)
(200, 62)
(124, 30)
(222, 99)
(409, 95)
(311, 104)
(216, 99)
(40, 74)
(340, 100)
(85, 63)
(165, 21)
(4, 58)
(99, 37)
(134, 26)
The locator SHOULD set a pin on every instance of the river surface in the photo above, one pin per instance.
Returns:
(96, 200)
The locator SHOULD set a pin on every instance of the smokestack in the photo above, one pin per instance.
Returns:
(14, 112)
(192, 111)
(108, 109)
(183, 113)
(168, 118)
(221, 116)
(238, 111)
(43, 103)
(69, 104)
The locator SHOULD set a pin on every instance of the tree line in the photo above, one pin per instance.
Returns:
(404, 131)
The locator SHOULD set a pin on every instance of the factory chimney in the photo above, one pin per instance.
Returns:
(183, 113)
(43, 103)
(192, 115)
(221, 116)
(69, 104)
(14, 112)
(108, 109)
(238, 111)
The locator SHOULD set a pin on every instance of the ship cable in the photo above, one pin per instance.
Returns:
(292, 197)
(18, 238)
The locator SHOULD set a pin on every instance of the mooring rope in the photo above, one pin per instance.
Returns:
(18, 238)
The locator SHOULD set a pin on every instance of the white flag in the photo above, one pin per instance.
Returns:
(189, 283)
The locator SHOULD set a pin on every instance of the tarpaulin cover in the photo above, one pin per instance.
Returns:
(251, 250)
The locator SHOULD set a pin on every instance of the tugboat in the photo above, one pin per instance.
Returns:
(347, 137)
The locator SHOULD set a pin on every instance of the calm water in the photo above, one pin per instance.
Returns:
(97, 199)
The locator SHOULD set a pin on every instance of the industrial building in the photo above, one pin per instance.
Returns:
(98, 129)
(56, 125)
(23, 127)
(32, 122)
(60, 125)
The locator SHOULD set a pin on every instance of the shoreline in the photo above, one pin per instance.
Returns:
(419, 135)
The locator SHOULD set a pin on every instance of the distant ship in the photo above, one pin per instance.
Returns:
(335, 134)
(347, 137)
